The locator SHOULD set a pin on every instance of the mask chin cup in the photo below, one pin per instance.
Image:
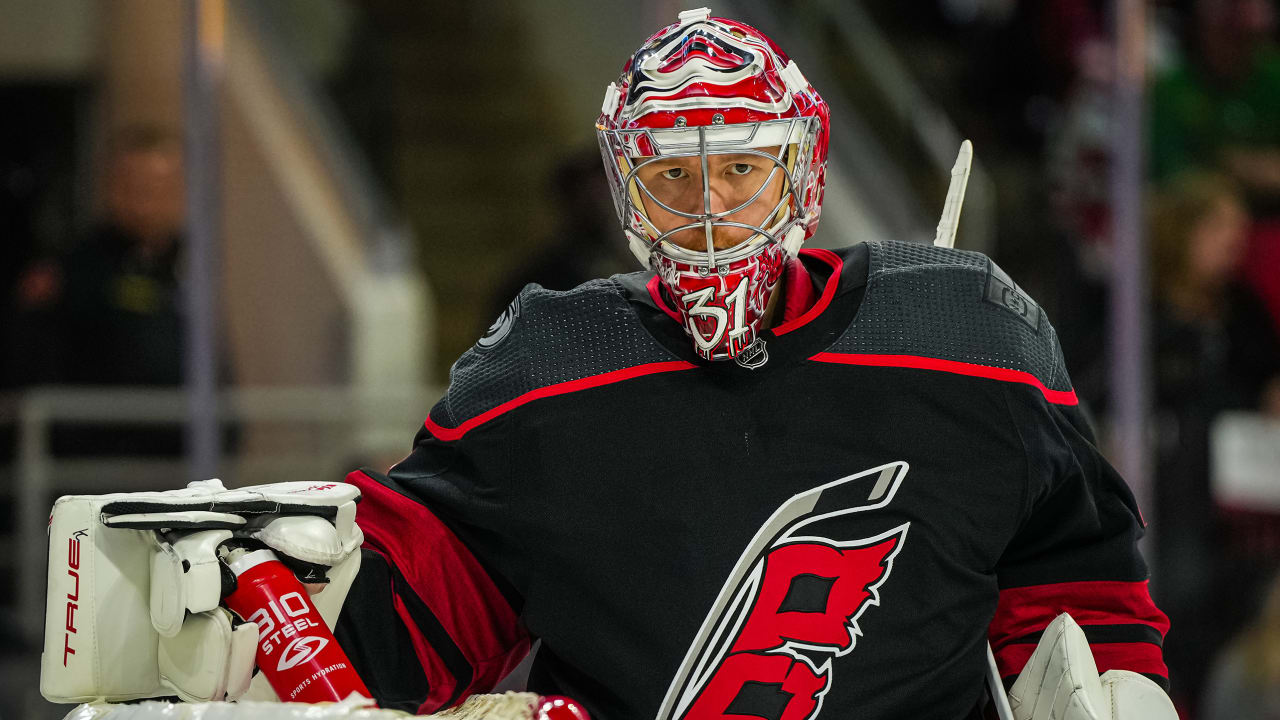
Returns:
(722, 311)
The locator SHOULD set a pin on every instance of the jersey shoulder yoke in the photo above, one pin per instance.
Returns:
(952, 305)
(543, 339)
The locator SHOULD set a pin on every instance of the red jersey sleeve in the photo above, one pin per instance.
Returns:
(448, 626)
(1076, 551)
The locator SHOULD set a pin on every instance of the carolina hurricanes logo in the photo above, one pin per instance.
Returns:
(789, 608)
(501, 327)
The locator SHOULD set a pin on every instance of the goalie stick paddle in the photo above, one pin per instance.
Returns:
(950, 220)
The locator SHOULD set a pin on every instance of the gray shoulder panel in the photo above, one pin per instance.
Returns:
(954, 305)
(546, 337)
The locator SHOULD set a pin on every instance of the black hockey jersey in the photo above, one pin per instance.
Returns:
(837, 532)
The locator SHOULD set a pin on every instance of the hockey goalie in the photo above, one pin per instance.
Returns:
(749, 480)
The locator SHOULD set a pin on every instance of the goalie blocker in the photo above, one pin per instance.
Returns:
(1060, 682)
(135, 584)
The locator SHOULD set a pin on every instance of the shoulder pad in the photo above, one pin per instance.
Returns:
(544, 338)
(955, 305)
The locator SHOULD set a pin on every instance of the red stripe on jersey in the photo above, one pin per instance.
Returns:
(449, 581)
(1058, 397)
(1140, 657)
(450, 434)
(1026, 610)
(794, 294)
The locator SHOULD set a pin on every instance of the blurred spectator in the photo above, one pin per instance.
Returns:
(1079, 144)
(1245, 681)
(587, 242)
(1262, 266)
(1078, 153)
(122, 298)
(1215, 350)
(108, 312)
(1214, 341)
(1220, 107)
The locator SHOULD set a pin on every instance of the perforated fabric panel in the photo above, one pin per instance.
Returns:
(928, 301)
(557, 337)
(887, 257)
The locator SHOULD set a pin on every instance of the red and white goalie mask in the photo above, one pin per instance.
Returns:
(715, 146)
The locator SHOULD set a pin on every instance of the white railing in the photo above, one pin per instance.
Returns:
(298, 433)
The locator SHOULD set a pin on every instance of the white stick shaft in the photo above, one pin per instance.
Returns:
(950, 220)
(998, 696)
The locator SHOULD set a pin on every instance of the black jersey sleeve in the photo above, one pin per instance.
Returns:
(436, 611)
(426, 623)
(1073, 544)
(1076, 550)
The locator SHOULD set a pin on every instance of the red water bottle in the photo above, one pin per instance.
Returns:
(296, 650)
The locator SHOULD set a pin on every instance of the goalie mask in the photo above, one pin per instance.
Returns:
(715, 147)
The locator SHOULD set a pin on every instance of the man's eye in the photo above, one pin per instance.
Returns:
(740, 168)
(674, 173)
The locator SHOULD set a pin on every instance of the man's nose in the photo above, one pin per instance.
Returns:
(722, 200)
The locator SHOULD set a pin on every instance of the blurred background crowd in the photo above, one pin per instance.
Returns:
(379, 178)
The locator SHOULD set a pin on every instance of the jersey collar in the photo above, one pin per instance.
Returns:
(805, 294)
(821, 294)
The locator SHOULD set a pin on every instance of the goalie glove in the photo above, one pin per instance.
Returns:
(135, 583)
(1060, 682)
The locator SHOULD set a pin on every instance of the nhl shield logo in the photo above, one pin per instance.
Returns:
(754, 356)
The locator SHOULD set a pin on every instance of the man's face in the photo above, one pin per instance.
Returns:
(1217, 243)
(732, 180)
(145, 195)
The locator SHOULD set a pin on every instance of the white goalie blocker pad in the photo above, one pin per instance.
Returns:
(506, 706)
(352, 709)
(1060, 682)
(134, 585)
